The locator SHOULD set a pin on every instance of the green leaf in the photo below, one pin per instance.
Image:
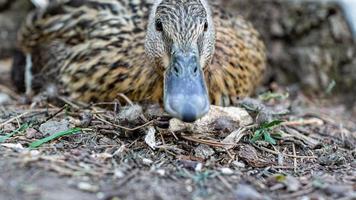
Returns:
(265, 130)
(20, 129)
(38, 143)
(271, 124)
(277, 135)
(257, 135)
(268, 138)
(280, 178)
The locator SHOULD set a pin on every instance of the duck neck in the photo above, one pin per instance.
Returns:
(147, 83)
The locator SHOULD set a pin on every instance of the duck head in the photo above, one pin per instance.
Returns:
(180, 43)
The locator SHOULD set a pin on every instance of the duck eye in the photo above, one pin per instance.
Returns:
(206, 26)
(159, 26)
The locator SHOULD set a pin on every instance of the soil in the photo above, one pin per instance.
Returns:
(129, 152)
(314, 157)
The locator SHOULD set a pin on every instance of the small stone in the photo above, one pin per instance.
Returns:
(305, 198)
(59, 145)
(198, 167)
(226, 171)
(161, 172)
(130, 113)
(32, 133)
(17, 147)
(88, 187)
(34, 153)
(189, 188)
(4, 99)
(247, 192)
(100, 195)
(276, 29)
(42, 4)
(52, 127)
(86, 119)
(239, 164)
(204, 151)
(147, 161)
(292, 184)
(277, 186)
(232, 115)
(101, 156)
(119, 174)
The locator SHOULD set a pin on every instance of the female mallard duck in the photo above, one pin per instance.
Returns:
(185, 52)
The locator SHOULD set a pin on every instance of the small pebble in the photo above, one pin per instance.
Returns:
(119, 174)
(239, 164)
(161, 172)
(88, 187)
(204, 151)
(130, 113)
(147, 161)
(199, 167)
(52, 127)
(247, 192)
(227, 171)
(32, 133)
(4, 99)
(292, 183)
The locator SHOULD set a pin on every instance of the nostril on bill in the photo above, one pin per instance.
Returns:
(176, 70)
(195, 70)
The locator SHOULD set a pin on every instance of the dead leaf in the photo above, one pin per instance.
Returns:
(150, 137)
(234, 138)
(248, 154)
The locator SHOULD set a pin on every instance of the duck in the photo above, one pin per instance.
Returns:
(184, 54)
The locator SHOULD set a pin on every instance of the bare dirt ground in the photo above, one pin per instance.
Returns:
(131, 153)
(113, 152)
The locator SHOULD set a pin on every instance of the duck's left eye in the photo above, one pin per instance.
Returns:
(159, 26)
(206, 26)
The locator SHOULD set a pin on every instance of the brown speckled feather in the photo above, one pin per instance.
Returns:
(95, 49)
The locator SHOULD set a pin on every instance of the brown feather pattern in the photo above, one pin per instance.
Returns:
(94, 49)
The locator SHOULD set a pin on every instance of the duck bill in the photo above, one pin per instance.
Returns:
(185, 92)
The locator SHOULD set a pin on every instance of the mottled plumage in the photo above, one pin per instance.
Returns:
(95, 49)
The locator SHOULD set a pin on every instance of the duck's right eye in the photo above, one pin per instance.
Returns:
(159, 26)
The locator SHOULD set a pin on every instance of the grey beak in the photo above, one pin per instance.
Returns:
(185, 92)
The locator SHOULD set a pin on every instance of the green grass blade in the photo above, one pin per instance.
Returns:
(20, 129)
(38, 143)
(257, 135)
(271, 124)
(268, 138)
